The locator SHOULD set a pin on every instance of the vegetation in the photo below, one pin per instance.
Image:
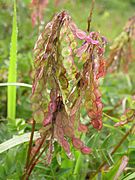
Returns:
(67, 107)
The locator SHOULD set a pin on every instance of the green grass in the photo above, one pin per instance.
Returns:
(12, 73)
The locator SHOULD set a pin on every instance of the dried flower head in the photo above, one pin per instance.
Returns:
(60, 89)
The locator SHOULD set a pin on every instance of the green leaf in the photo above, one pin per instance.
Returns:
(16, 140)
(16, 84)
(12, 74)
(131, 176)
(116, 170)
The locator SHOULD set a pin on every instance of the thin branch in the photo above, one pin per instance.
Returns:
(35, 162)
(30, 144)
(33, 158)
(90, 15)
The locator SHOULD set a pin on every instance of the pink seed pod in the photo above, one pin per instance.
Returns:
(81, 50)
(66, 146)
(92, 114)
(47, 120)
(73, 27)
(77, 143)
(82, 128)
(95, 106)
(86, 150)
(99, 106)
(97, 124)
(97, 93)
(81, 34)
(60, 132)
(92, 41)
(52, 107)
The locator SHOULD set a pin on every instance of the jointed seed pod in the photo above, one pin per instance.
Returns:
(61, 88)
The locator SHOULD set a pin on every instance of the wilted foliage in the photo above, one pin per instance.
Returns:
(61, 89)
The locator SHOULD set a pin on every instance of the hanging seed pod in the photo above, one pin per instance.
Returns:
(61, 87)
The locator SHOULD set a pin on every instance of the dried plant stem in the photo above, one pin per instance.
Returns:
(114, 150)
(90, 15)
(35, 162)
(31, 164)
(30, 144)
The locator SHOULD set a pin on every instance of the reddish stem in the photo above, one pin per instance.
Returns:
(30, 143)
(90, 16)
(35, 162)
(34, 156)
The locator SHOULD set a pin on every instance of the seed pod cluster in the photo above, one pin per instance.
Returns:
(65, 79)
